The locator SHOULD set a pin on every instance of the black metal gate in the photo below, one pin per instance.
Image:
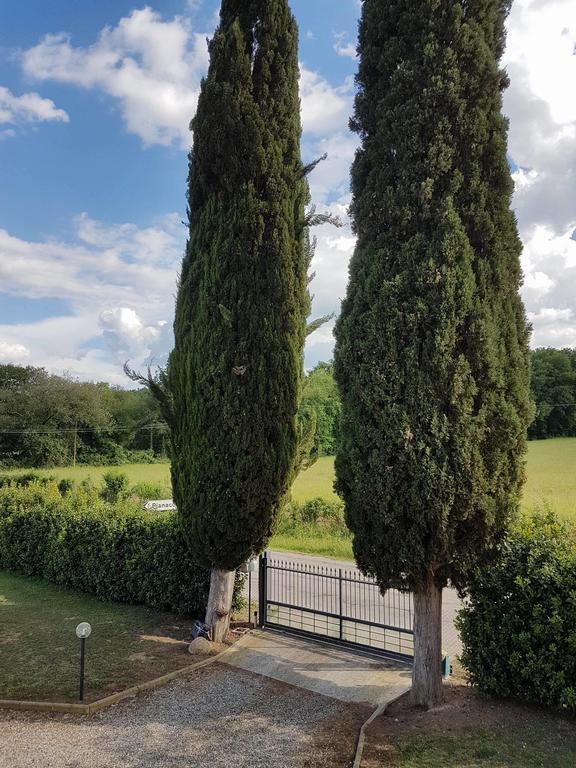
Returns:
(336, 604)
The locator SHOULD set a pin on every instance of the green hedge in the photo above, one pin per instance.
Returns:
(518, 628)
(113, 551)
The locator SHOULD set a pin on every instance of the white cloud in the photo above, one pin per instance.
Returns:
(325, 108)
(13, 353)
(151, 67)
(344, 47)
(128, 336)
(27, 108)
(119, 282)
(541, 104)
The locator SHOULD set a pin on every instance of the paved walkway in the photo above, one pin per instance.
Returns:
(320, 668)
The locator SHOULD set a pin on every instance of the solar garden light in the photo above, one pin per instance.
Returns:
(83, 630)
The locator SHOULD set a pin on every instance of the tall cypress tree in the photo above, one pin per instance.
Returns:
(432, 343)
(236, 370)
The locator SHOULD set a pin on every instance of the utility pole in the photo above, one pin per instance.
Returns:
(75, 443)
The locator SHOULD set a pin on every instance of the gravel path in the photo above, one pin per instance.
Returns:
(217, 718)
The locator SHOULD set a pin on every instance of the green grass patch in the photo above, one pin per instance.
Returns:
(470, 731)
(551, 482)
(551, 476)
(313, 544)
(517, 747)
(316, 482)
(39, 648)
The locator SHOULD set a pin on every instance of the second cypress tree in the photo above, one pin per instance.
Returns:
(236, 370)
(432, 343)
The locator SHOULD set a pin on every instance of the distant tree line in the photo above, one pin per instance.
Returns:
(48, 420)
(554, 392)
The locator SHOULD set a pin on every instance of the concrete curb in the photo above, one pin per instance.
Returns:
(380, 709)
(108, 701)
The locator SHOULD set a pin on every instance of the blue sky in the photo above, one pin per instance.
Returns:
(95, 98)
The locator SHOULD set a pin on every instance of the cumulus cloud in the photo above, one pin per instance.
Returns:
(128, 336)
(151, 67)
(541, 104)
(343, 46)
(27, 108)
(119, 282)
(13, 353)
(325, 108)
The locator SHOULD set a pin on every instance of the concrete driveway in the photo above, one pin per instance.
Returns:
(317, 667)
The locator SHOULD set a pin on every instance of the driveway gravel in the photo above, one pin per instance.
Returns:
(218, 717)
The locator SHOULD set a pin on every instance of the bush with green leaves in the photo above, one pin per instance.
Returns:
(314, 515)
(116, 486)
(518, 626)
(24, 479)
(116, 551)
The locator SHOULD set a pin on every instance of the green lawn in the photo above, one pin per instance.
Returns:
(529, 746)
(39, 649)
(551, 482)
(551, 476)
(470, 731)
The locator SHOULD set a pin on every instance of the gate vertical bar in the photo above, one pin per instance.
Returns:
(262, 588)
(340, 601)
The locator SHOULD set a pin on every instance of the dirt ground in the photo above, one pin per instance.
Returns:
(464, 712)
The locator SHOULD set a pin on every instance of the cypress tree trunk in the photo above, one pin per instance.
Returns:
(235, 373)
(220, 603)
(426, 672)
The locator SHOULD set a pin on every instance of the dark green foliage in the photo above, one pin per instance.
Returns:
(554, 391)
(321, 401)
(235, 373)
(115, 552)
(518, 626)
(40, 413)
(432, 356)
(116, 486)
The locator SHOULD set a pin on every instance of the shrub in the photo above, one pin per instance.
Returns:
(65, 486)
(115, 486)
(24, 479)
(314, 515)
(147, 491)
(518, 627)
(116, 552)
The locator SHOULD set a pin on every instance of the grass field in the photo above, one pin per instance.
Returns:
(39, 649)
(551, 476)
(551, 483)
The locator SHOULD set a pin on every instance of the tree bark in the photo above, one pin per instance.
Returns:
(427, 672)
(220, 603)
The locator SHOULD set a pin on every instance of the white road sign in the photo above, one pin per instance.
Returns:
(162, 505)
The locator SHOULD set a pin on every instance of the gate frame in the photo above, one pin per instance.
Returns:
(327, 639)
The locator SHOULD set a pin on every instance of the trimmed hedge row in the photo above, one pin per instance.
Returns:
(518, 628)
(115, 551)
